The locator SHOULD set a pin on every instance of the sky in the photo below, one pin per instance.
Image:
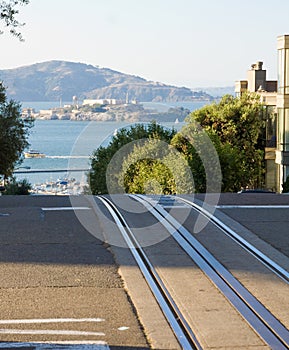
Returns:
(192, 43)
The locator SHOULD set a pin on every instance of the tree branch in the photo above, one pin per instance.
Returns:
(8, 12)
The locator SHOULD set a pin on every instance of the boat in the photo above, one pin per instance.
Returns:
(34, 154)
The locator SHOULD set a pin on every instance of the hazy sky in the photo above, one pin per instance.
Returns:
(193, 43)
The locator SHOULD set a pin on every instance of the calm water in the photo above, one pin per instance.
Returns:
(69, 144)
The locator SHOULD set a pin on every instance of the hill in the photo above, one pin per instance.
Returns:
(55, 80)
(218, 91)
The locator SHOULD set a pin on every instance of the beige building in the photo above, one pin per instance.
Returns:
(282, 152)
(107, 101)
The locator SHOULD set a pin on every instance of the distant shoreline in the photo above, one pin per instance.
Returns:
(110, 112)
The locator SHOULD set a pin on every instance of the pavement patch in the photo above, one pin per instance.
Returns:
(64, 208)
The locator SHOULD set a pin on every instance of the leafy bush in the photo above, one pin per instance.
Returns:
(14, 132)
(103, 155)
(14, 187)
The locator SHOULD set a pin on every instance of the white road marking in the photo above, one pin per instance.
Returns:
(64, 208)
(252, 206)
(123, 328)
(49, 331)
(76, 345)
(52, 320)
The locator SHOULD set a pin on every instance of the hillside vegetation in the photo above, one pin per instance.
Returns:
(55, 80)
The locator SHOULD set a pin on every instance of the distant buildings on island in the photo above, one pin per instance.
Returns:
(275, 95)
(109, 101)
(106, 110)
(88, 109)
(106, 101)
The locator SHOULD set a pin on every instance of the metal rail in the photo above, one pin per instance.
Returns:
(274, 333)
(264, 259)
(178, 323)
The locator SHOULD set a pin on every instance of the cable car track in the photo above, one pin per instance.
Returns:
(274, 333)
(180, 327)
(269, 263)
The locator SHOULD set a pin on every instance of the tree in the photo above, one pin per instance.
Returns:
(13, 134)
(220, 144)
(103, 155)
(8, 11)
(155, 167)
(238, 124)
(203, 152)
(15, 187)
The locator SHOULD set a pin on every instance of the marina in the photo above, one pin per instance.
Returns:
(61, 187)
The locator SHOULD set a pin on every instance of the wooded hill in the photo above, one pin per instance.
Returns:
(55, 80)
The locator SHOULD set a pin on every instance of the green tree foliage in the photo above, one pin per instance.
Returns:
(13, 134)
(8, 12)
(14, 187)
(103, 155)
(235, 126)
(149, 176)
(237, 120)
(155, 167)
(220, 145)
(203, 152)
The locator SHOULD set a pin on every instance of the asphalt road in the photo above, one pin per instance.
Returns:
(266, 215)
(59, 283)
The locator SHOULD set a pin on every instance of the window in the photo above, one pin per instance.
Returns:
(280, 126)
(286, 123)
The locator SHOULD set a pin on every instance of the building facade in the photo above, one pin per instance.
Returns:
(282, 152)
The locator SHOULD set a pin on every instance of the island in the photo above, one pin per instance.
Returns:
(111, 110)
